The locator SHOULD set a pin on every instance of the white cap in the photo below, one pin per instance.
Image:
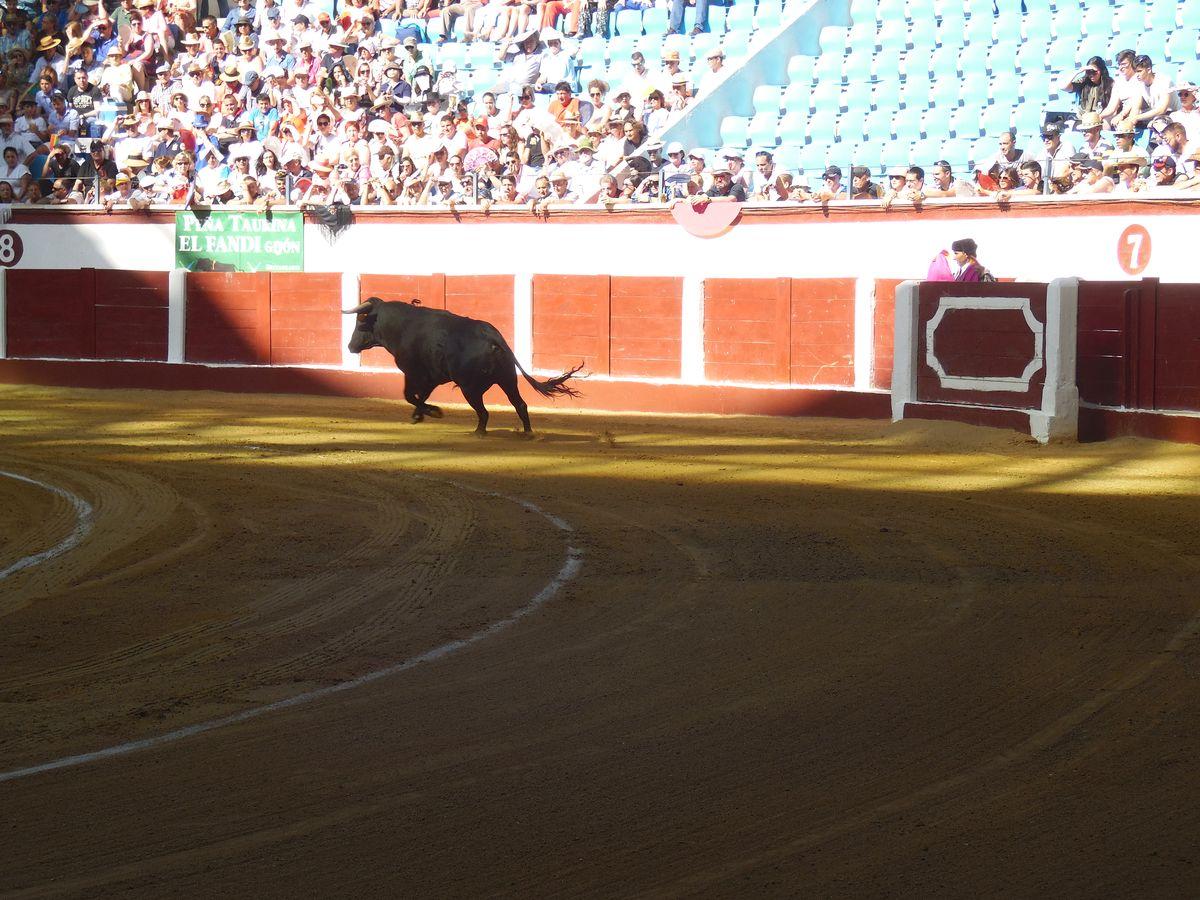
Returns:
(674, 147)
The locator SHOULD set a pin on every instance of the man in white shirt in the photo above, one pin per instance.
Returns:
(1156, 98)
(716, 72)
(1188, 114)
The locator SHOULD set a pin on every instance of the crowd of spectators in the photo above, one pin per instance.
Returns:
(284, 103)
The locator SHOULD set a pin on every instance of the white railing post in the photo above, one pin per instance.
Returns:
(904, 363)
(176, 315)
(349, 301)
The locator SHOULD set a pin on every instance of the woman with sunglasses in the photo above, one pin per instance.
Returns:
(140, 51)
(1092, 86)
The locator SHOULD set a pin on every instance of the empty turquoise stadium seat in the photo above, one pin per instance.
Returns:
(654, 21)
(826, 95)
(898, 153)
(764, 129)
(974, 89)
(1067, 21)
(1130, 19)
(850, 126)
(481, 55)
(628, 21)
(906, 124)
(888, 10)
(923, 34)
(813, 160)
(964, 123)
(1031, 57)
(1180, 46)
(822, 126)
(919, 9)
(736, 45)
(862, 36)
(945, 93)
(936, 122)
(734, 131)
(979, 29)
(1189, 15)
(716, 19)
(1098, 20)
(887, 63)
(950, 33)
(768, 17)
(855, 100)
(787, 158)
(740, 18)
(886, 94)
(796, 96)
(829, 67)
(1034, 87)
(702, 44)
(857, 66)
(1000, 57)
(868, 154)
(973, 58)
(1162, 14)
(877, 126)
(957, 152)
(1060, 56)
(862, 10)
(800, 68)
(1005, 88)
(793, 127)
(1008, 26)
(767, 98)
(915, 93)
(1037, 26)
(833, 39)
(893, 35)
(943, 62)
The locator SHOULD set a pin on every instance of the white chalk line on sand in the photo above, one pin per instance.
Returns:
(570, 568)
(83, 525)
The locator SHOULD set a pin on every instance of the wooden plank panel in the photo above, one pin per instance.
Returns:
(571, 322)
(747, 329)
(228, 317)
(51, 313)
(485, 297)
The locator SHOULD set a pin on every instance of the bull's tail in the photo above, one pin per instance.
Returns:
(551, 387)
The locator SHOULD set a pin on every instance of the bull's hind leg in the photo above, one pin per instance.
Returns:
(508, 384)
(474, 396)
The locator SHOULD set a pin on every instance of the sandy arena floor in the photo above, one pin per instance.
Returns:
(797, 658)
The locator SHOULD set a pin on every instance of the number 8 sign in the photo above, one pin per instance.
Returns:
(11, 248)
(1133, 249)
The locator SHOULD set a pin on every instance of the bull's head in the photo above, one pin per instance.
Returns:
(364, 337)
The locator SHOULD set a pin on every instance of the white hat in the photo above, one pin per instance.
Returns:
(378, 126)
(551, 34)
(674, 147)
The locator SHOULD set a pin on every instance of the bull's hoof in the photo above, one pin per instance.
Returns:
(480, 432)
(417, 417)
(434, 412)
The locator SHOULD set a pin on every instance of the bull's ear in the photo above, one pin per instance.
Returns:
(415, 302)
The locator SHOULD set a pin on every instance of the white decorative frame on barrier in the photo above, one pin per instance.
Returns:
(985, 382)
(1058, 414)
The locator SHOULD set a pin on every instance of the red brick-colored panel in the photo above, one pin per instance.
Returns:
(822, 329)
(747, 329)
(885, 331)
(131, 314)
(430, 290)
(228, 317)
(1177, 347)
(1102, 341)
(979, 343)
(306, 318)
(645, 322)
(571, 322)
(52, 313)
(486, 297)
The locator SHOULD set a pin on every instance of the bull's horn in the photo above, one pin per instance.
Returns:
(361, 308)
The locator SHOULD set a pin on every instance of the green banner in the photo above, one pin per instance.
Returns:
(227, 241)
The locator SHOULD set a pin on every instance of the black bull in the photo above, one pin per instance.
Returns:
(433, 346)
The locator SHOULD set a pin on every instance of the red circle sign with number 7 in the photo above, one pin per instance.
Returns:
(1133, 249)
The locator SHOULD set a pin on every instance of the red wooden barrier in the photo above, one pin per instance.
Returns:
(1176, 346)
(486, 297)
(229, 317)
(822, 331)
(131, 314)
(645, 321)
(571, 322)
(1101, 344)
(306, 321)
(885, 331)
(52, 313)
(979, 343)
(747, 329)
